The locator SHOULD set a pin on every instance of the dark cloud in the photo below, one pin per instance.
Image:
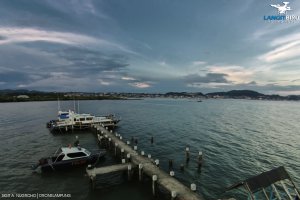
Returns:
(11, 77)
(208, 78)
(90, 61)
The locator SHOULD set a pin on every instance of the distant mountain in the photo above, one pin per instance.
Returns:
(237, 93)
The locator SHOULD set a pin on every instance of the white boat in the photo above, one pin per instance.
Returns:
(69, 157)
(70, 120)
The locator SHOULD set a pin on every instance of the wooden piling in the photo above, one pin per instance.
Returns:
(187, 154)
(140, 172)
(154, 179)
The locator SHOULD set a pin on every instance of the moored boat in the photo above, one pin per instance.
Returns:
(69, 157)
(70, 120)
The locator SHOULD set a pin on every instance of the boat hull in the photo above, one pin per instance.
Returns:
(46, 164)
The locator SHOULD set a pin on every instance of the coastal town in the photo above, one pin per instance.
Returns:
(27, 95)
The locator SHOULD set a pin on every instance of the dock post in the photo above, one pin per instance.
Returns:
(105, 141)
(187, 154)
(154, 179)
(182, 167)
(193, 187)
(123, 161)
(172, 173)
(129, 172)
(152, 140)
(128, 157)
(109, 143)
(100, 140)
(132, 139)
(122, 153)
(170, 164)
(200, 159)
(149, 155)
(116, 148)
(173, 195)
(135, 147)
(142, 153)
(157, 162)
(128, 142)
(140, 172)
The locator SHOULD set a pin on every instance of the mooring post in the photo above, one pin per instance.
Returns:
(116, 149)
(136, 141)
(135, 147)
(187, 154)
(149, 156)
(122, 153)
(129, 172)
(132, 139)
(152, 140)
(193, 187)
(170, 164)
(100, 140)
(157, 162)
(172, 173)
(142, 153)
(154, 179)
(105, 141)
(173, 195)
(140, 172)
(200, 159)
(123, 161)
(128, 143)
(128, 157)
(181, 167)
(109, 143)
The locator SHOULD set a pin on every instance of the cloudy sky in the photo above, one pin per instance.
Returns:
(148, 46)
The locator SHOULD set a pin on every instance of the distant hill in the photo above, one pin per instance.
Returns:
(237, 93)
(185, 94)
(19, 91)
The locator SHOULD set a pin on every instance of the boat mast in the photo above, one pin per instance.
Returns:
(58, 103)
(74, 104)
(78, 106)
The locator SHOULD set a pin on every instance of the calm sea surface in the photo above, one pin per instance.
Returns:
(239, 139)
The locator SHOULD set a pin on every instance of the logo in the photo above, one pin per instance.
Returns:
(282, 9)
(282, 16)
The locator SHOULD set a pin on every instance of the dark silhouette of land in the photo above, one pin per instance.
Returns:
(32, 95)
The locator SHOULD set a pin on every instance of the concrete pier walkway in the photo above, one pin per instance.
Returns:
(144, 164)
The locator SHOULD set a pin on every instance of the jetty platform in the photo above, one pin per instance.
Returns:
(132, 160)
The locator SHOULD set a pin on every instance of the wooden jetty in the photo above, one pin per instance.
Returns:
(132, 160)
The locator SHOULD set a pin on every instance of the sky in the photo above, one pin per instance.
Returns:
(148, 46)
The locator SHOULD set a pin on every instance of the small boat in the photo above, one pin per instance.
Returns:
(69, 157)
(70, 120)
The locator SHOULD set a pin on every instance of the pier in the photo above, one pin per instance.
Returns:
(132, 160)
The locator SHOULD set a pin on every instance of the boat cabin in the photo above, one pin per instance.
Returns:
(69, 153)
